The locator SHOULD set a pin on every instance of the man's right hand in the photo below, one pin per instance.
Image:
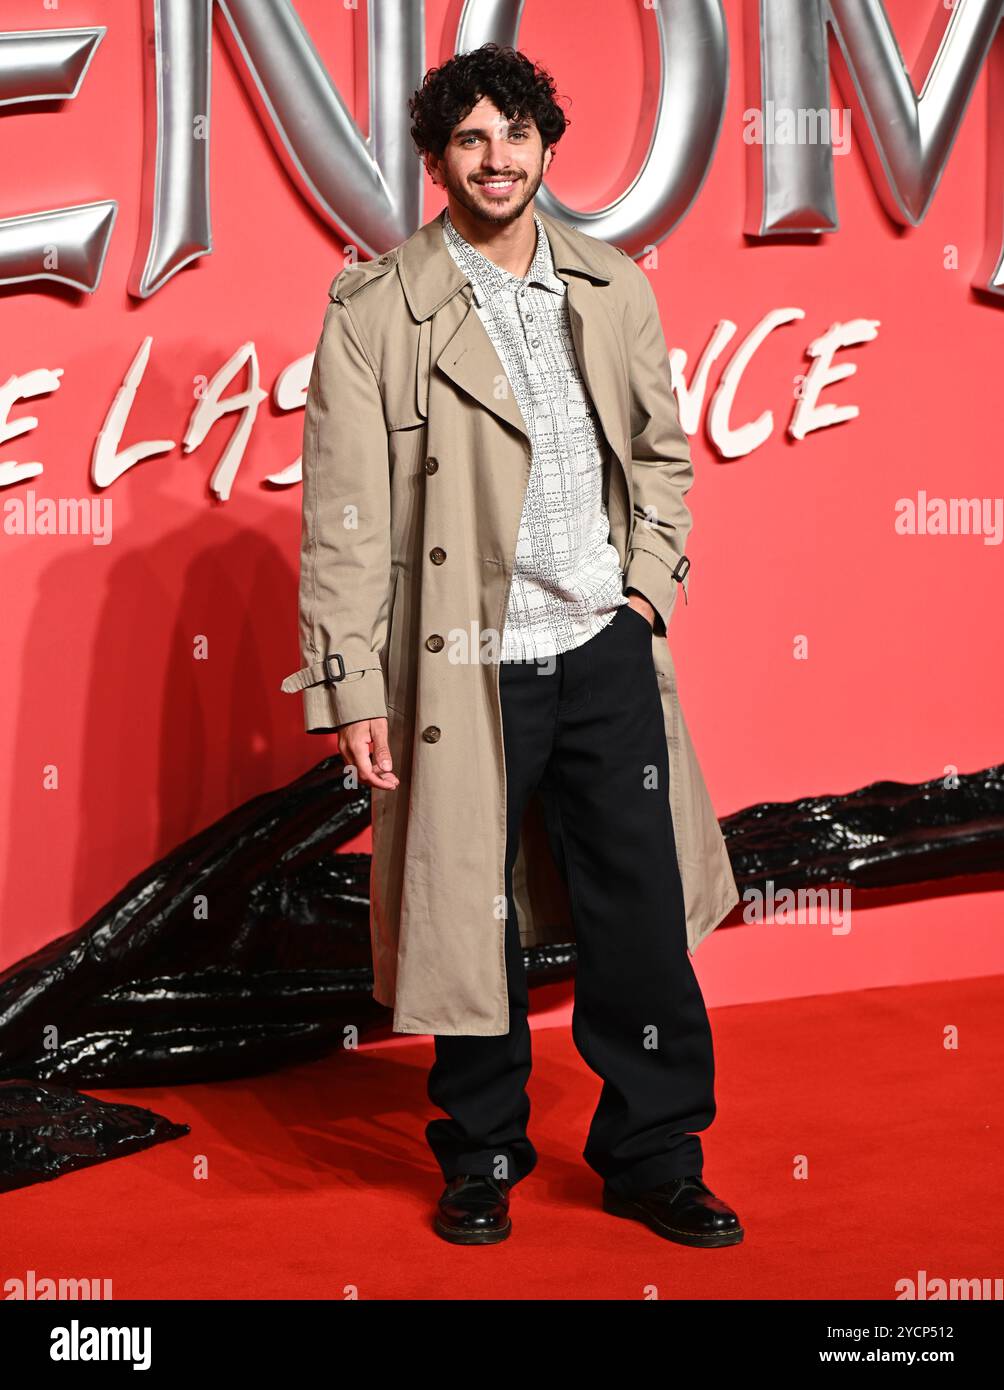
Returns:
(363, 745)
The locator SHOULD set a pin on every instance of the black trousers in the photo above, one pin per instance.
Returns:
(586, 729)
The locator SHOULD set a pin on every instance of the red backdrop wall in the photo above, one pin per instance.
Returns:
(904, 668)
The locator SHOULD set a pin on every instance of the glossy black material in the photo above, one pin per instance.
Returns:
(47, 1130)
(888, 834)
(247, 947)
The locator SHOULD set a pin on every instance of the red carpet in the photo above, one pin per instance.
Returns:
(319, 1183)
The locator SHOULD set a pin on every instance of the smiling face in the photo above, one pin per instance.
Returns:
(492, 166)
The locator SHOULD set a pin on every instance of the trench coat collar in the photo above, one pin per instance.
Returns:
(430, 276)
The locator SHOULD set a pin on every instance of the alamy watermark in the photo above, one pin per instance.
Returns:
(799, 907)
(31, 515)
(803, 125)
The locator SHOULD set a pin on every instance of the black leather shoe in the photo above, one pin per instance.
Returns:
(683, 1209)
(474, 1210)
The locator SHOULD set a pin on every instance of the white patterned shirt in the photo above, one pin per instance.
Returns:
(567, 580)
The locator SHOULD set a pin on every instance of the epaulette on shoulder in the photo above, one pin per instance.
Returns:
(354, 277)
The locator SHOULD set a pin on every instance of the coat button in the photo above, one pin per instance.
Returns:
(437, 554)
(431, 465)
(435, 643)
(431, 734)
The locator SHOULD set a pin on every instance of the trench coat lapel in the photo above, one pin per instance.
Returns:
(470, 361)
(596, 348)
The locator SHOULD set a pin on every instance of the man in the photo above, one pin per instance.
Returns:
(494, 529)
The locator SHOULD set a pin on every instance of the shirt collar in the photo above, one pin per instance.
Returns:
(487, 278)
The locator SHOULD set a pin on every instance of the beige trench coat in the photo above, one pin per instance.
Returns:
(415, 462)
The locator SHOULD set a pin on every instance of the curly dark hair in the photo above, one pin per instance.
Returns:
(518, 87)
